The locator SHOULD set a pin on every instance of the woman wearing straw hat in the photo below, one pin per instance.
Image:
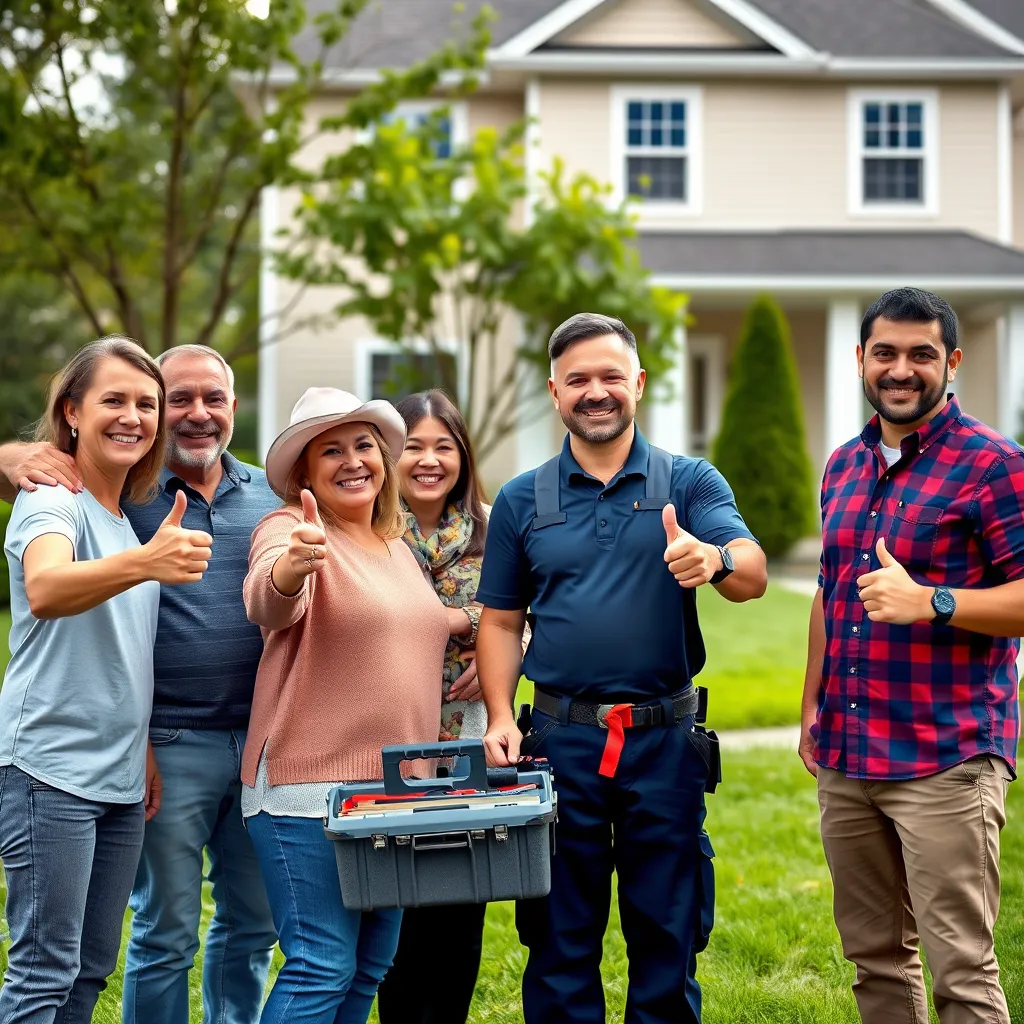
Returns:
(355, 642)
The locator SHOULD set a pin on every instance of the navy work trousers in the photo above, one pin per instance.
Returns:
(646, 824)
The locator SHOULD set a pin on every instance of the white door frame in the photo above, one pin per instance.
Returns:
(711, 348)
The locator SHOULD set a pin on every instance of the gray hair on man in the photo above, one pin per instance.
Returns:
(199, 350)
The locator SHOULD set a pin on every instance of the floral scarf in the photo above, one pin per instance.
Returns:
(455, 578)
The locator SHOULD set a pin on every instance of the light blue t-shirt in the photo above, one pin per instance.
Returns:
(77, 696)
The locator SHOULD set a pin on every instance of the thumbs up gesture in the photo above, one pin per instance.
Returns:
(307, 545)
(174, 554)
(890, 595)
(690, 561)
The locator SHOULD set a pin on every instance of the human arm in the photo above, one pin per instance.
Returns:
(25, 465)
(306, 552)
(499, 656)
(891, 595)
(714, 521)
(276, 592)
(56, 585)
(812, 681)
(154, 784)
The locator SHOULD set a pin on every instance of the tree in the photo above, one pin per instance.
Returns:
(136, 137)
(761, 448)
(434, 251)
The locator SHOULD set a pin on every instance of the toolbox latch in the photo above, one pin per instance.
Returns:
(380, 842)
(501, 833)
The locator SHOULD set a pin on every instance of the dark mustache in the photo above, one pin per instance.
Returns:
(203, 432)
(585, 405)
(915, 384)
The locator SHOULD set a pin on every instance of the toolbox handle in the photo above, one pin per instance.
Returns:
(393, 756)
(441, 841)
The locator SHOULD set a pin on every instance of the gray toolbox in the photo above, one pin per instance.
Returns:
(485, 835)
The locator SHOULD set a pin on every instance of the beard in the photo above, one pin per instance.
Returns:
(599, 432)
(927, 399)
(206, 458)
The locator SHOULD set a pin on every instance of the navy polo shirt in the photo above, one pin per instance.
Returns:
(207, 651)
(608, 617)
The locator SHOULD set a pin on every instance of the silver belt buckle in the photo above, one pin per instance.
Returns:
(602, 714)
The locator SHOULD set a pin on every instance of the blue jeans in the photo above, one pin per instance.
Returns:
(201, 810)
(69, 864)
(334, 958)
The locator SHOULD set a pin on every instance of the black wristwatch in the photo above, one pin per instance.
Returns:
(944, 604)
(727, 565)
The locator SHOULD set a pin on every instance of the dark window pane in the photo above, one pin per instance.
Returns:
(635, 110)
(914, 138)
(657, 177)
(657, 112)
(872, 138)
(657, 136)
(872, 113)
(397, 374)
(678, 136)
(893, 181)
(678, 114)
(634, 137)
(915, 114)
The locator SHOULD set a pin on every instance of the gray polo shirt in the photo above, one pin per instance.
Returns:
(76, 699)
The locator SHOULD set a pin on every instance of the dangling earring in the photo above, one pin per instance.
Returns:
(74, 432)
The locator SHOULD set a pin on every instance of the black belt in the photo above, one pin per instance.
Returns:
(644, 716)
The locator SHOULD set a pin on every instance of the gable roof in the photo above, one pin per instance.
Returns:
(396, 33)
(880, 28)
(1007, 13)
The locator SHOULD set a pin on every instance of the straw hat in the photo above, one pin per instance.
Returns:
(318, 410)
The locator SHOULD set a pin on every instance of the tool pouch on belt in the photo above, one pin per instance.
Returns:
(708, 739)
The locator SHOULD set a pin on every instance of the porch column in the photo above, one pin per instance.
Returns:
(1011, 363)
(667, 419)
(844, 394)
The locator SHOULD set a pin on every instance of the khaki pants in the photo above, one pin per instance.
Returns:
(919, 860)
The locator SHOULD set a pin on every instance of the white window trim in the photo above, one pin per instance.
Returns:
(855, 153)
(366, 348)
(657, 212)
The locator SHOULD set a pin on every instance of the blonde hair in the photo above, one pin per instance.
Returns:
(71, 385)
(388, 520)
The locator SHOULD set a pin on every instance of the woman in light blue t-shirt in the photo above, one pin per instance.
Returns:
(76, 786)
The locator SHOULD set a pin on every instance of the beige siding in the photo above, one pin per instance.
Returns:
(977, 382)
(652, 23)
(775, 154)
(1018, 181)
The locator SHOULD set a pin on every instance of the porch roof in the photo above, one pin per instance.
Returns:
(834, 260)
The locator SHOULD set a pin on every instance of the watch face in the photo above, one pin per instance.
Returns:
(943, 602)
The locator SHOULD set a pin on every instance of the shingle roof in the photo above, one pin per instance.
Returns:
(1008, 13)
(880, 28)
(396, 33)
(914, 254)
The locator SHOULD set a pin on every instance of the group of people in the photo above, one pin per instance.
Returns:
(201, 650)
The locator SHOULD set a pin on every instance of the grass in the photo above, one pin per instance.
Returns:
(774, 956)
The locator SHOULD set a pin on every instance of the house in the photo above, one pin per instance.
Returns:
(819, 150)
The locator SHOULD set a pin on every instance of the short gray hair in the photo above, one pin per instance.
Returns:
(198, 350)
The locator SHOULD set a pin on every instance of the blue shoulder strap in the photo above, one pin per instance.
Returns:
(658, 490)
(545, 492)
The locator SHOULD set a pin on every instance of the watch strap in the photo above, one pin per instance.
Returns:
(727, 568)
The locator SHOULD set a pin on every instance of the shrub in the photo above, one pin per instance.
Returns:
(761, 448)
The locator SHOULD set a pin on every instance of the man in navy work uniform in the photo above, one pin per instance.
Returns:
(606, 546)
(205, 662)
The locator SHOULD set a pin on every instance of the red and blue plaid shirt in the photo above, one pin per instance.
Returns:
(901, 702)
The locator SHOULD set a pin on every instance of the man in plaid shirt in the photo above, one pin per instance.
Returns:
(910, 701)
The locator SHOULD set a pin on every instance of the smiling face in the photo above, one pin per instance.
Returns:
(344, 468)
(200, 411)
(596, 385)
(431, 462)
(117, 418)
(906, 370)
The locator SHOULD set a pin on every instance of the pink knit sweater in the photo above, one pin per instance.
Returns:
(350, 664)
